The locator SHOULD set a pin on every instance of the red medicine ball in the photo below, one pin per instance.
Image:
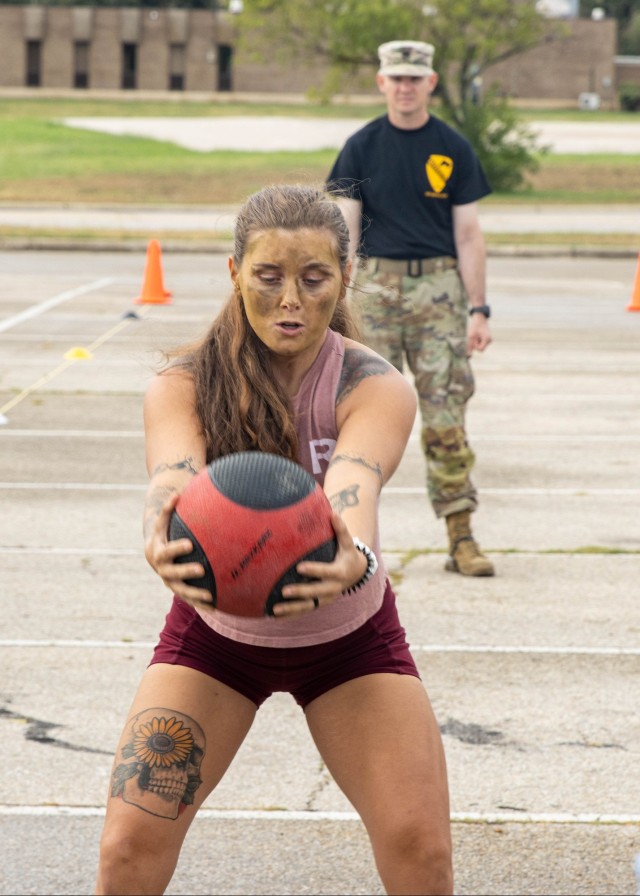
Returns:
(251, 517)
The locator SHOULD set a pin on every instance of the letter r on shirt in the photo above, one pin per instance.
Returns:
(320, 450)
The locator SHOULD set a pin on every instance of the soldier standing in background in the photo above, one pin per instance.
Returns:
(408, 186)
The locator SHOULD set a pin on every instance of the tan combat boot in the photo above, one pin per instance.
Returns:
(465, 554)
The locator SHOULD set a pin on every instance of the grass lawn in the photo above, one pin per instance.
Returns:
(43, 161)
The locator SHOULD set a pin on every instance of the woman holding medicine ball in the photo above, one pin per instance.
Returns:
(280, 372)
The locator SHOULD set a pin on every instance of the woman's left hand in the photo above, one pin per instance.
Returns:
(330, 579)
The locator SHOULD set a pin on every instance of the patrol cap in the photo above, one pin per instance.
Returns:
(406, 57)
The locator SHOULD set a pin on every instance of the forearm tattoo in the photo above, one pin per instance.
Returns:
(358, 365)
(158, 495)
(156, 500)
(346, 497)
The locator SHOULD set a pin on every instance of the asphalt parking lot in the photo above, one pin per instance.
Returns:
(533, 675)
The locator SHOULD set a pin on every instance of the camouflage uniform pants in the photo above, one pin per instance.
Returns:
(424, 319)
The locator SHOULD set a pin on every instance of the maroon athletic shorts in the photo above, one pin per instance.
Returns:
(305, 672)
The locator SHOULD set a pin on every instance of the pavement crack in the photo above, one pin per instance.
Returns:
(323, 782)
(470, 733)
(39, 731)
(592, 745)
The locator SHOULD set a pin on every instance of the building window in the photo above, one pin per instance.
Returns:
(225, 57)
(34, 63)
(176, 66)
(81, 63)
(129, 66)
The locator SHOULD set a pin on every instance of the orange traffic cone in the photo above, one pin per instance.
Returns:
(634, 304)
(153, 291)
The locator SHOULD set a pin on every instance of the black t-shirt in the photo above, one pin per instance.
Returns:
(408, 181)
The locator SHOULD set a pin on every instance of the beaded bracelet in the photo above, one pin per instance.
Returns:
(372, 565)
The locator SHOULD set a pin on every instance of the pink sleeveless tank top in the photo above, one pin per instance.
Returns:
(314, 408)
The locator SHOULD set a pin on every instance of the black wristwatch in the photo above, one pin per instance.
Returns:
(480, 309)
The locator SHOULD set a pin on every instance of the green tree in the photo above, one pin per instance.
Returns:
(469, 36)
(621, 10)
(626, 14)
(629, 38)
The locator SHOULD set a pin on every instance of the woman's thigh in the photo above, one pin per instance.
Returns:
(381, 742)
(182, 732)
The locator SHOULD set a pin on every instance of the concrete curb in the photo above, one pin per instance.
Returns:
(199, 246)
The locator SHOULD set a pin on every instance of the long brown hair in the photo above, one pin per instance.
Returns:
(238, 400)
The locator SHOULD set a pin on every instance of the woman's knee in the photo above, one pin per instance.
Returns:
(133, 862)
(414, 855)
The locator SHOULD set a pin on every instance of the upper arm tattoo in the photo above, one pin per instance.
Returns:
(186, 463)
(358, 365)
(373, 468)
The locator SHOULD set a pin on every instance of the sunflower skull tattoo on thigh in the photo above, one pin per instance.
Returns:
(160, 767)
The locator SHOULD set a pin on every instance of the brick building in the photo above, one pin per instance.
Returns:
(580, 61)
(117, 48)
(107, 48)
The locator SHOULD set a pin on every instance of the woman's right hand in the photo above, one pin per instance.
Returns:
(162, 555)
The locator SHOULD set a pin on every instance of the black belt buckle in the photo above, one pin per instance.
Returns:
(414, 267)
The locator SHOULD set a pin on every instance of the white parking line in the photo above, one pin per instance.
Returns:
(547, 398)
(555, 651)
(501, 817)
(68, 642)
(577, 491)
(74, 486)
(102, 362)
(69, 360)
(524, 650)
(612, 438)
(82, 552)
(75, 433)
(36, 310)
